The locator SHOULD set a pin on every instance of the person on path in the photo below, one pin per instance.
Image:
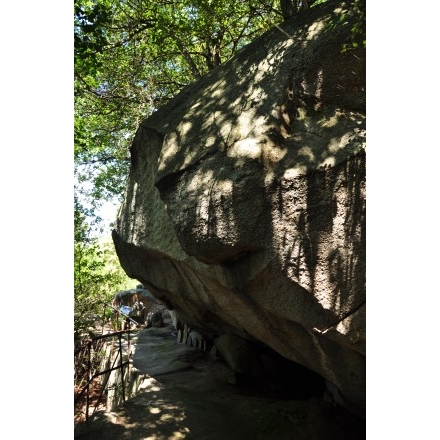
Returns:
(138, 310)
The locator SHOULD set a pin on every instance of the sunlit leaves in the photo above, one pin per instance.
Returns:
(97, 274)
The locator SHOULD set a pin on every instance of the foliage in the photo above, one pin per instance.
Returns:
(358, 36)
(291, 8)
(131, 56)
(97, 273)
(357, 32)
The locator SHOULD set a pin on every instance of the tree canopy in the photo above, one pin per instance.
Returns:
(131, 56)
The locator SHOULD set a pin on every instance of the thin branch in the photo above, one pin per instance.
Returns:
(104, 160)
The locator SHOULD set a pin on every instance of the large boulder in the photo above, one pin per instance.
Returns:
(244, 208)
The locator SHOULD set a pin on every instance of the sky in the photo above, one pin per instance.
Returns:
(108, 210)
(36, 179)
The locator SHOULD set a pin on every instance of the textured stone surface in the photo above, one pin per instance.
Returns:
(245, 203)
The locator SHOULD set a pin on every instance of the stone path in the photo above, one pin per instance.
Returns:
(186, 395)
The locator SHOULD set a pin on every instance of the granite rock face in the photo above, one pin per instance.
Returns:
(245, 204)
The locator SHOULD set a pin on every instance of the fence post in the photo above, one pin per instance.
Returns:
(122, 367)
(89, 370)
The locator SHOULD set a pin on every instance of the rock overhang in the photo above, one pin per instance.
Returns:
(245, 204)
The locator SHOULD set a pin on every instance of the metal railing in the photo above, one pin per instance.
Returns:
(95, 360)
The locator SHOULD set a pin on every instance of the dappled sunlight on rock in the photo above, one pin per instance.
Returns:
(291, 173)
(149, 385)
(213, 215)
(199, 180)
(120, 419)
(329, 161)
(329, 122)
(257, 176)
(307, 153)
(247, 148)
(315, 29)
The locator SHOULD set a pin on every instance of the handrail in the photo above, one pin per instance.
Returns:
(90, 375)
(121, 313)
